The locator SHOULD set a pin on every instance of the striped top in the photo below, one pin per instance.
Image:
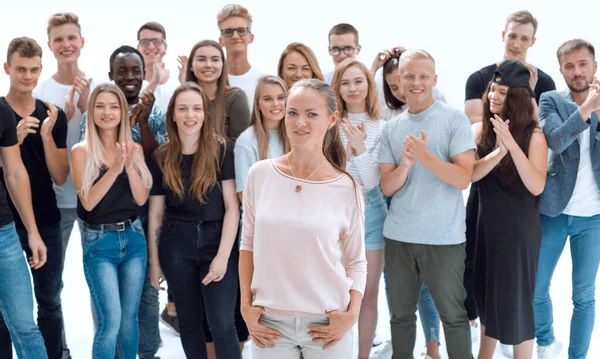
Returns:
(365, 168)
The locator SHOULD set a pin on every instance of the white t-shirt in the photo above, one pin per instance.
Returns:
(585, 200)
(328, 77)
(247, 82)
(164, 92)
(54, 92)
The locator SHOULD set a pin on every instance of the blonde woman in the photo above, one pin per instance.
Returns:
(361, 127)
(111, 179)
(298, 62)
(265, 138)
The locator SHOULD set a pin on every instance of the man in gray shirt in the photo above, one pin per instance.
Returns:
(426, 161)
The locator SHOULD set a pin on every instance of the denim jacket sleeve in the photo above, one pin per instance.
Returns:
(560, 133)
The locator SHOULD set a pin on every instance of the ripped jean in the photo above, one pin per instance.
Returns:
(430, 319)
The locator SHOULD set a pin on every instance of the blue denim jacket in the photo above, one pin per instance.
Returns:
(562, 125)
(156, 120)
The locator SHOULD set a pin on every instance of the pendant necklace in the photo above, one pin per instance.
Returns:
(298, 187)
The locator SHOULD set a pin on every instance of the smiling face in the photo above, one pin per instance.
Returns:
(518, 38)
(578, 69)
(128, 74)
(207, 64)
(497, 97)
(107, 111)
(418, 78)
(24, 72)
(189, 113)
(271, 103)
(393, 81)
(307, 118)
(354, 87)
(65, 42)
(295, 68)
(152, 46)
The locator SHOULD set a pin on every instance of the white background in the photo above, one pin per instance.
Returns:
(463, 36)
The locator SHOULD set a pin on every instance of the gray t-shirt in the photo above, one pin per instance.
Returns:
(427, 210)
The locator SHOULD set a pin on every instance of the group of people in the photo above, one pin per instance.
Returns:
(272, 204)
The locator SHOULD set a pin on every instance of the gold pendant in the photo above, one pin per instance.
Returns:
(298, 188)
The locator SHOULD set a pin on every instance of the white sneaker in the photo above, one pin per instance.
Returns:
(550, 351)
(474, 331)
(507, 350)
(383, 351)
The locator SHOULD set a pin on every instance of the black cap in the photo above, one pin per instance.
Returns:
(513, 74)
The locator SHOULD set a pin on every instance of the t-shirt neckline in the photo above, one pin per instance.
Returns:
(303, 180)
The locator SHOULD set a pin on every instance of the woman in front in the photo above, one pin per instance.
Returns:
(510, 174)
(111, 179)
(194, 210)
(298, 62)
(302, 261)
(361, 125)
(228, 105)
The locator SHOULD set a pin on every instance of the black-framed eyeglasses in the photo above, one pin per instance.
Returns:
(242, 31)
(348, 50)
(156, 41)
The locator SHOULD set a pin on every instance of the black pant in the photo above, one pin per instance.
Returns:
(186, 251)
(47, 285)
(472, 211)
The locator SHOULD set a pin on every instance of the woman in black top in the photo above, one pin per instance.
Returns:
(194, 209)
(111, 179)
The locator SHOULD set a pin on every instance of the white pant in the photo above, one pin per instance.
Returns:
(294, 339)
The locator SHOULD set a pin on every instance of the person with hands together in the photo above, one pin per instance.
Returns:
(510, 174)
(193, 223)
(361, 127)
(42, 138)
(426, 160)
(292, 309)
(112, 180)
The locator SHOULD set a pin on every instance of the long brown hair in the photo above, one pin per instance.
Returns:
(519, 110)
(308, 54)
(206, 158)
(373, 106)
(222, 84)
(257, 121)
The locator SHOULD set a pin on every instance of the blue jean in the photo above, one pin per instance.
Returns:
(186, 251)
(114, 264)
(375, 212)
(148, 317)
(584, 233)
(16, 299)
(430, 318)
(47, 285)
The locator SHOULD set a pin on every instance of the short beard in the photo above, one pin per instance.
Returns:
(585, 88)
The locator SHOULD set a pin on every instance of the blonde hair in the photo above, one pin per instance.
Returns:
(234, 10)
(63, 18)
(308, 54)
(95, 159)
(373, 106)
(415, 54)
(257, 122)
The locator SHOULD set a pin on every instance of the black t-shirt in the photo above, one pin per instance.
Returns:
(189, 209)
(117, 205)
(32, 152)
(8, 138)
(479, 80)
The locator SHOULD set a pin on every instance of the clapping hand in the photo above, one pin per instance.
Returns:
(415, 147)
(356, 136)
(503, 135)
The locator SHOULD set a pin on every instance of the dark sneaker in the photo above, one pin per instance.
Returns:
(169, 321)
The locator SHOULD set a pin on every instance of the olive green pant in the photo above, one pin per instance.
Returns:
(407, 266)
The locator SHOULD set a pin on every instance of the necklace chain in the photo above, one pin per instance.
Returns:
(298, 186)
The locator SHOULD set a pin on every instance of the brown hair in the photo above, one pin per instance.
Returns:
(519, 109)
(343, 28)
(572, 46)
(256, 118)
(307, 53)
(234, 10)
(153, 26)
(63, 18)
(222, 84)
(372, 102)
(206, 162)
(24, 46)
(522, 17)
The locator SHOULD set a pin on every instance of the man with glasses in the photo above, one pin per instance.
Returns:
(343, 44)
(235, 24)
(152, 43)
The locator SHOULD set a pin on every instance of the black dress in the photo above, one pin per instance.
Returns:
(506, 258)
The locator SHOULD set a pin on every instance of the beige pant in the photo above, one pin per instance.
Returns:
(295, 339)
